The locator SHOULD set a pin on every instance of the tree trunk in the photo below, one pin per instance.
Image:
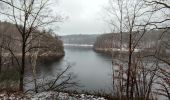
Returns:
(21, 85)
(1, 55)
(24, 40)
(34, 63)
(129, 66)
(0, 60)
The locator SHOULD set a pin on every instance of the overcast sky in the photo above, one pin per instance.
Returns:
(84, 16)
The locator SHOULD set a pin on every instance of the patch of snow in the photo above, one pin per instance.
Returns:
(48, 96)
(64, 96)
(79, 45)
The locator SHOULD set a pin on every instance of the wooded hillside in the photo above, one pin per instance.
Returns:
(79, 39)
(112, 40)
(47, 41)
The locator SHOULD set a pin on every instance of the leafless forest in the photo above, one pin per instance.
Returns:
(138, 43)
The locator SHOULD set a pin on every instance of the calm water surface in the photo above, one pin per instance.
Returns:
(93, 70)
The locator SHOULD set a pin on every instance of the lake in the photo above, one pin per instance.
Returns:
(93, 70)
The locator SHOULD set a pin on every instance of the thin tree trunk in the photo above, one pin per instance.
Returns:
(132, 87)
(1, 53)
(34, 63)
(34, 75)
(22, 68)
(0, 60)
(129, 67)
(121, 21)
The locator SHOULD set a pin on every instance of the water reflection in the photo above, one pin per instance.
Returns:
(93, 70)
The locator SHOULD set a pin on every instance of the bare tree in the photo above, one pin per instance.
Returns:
(28, 15)
(117, 12)
(161, 22)
(131, 16)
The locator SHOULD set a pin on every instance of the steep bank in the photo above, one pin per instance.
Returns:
(46, 43)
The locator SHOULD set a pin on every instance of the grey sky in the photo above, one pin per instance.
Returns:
(84, 16)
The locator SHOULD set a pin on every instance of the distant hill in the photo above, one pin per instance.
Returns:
(79, 39)
(148, 41)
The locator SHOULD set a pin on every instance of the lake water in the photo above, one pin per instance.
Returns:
(93, 70)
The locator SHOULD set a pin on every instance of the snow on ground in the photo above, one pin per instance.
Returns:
(48, 96)
(13, 96)
(63, 96)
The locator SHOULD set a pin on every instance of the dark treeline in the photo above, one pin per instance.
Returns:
(79, 39)
(148, 41)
